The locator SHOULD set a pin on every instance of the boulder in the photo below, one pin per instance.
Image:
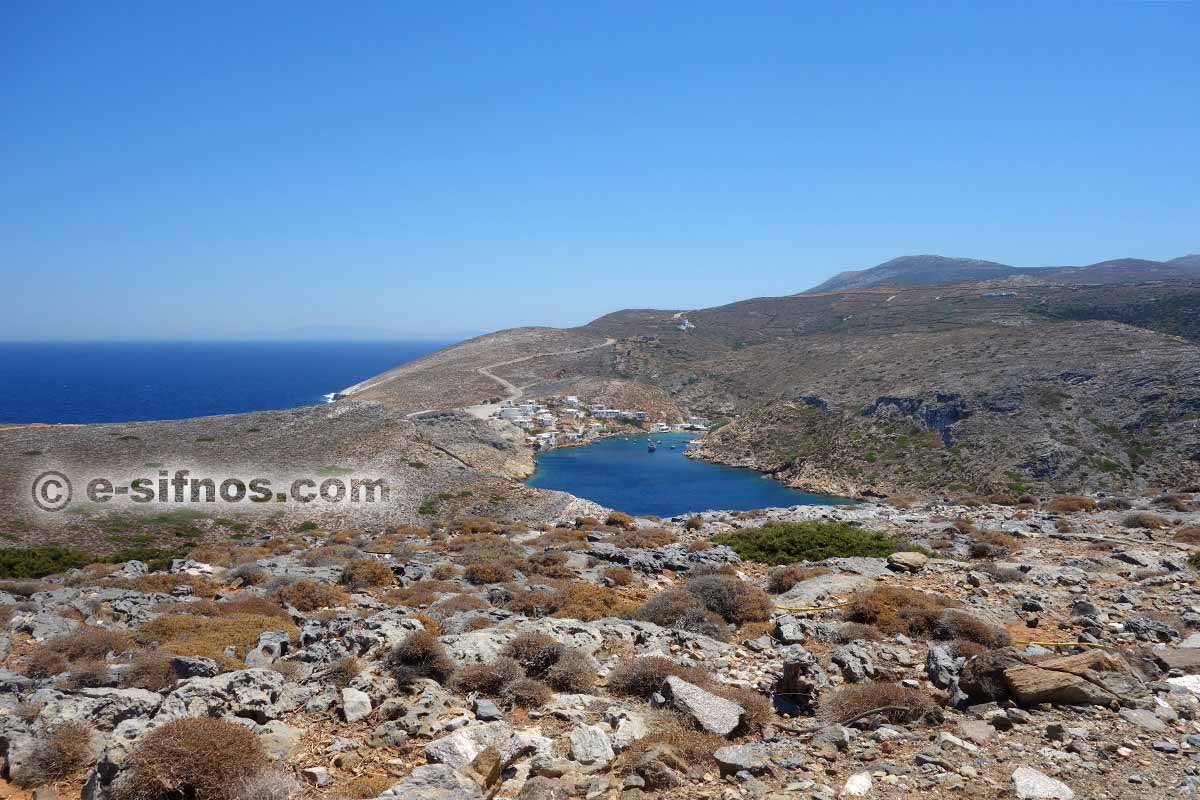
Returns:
(802, 679)
(854, 662)
(1097, 677)
(1030, 784)
(103, 709)
(356, 705)
(908, 561)
(256, 694)
(752, 758)
(711, 712)
(460, 748)
(590, 745)
(830, 588)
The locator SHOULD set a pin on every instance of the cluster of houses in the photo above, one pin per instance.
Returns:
(568, 419)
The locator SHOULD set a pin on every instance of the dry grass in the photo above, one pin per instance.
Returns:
(366, 573)
(618, 576)
(63, 751)
(165, 583)
(619, 519)
(342, 671)
(643, 676)
(1146, 520)
(331, 555)
(1175, 502)
(1188, 535)
(572, 672)
(420, 593)
(529, 693)
(643, 538)
(783, 578)
(86, 645)
(693, 747)
(481, 573)
(193, 635)
(479, 525)
(306, 595)
(421, 655)
(588, 602)
(1070, 504)
(270, 784)
(194, 757)
(489, 679)
(894, 609)
(993, 544)
(364, 787)
(734, 600)
(905, 704)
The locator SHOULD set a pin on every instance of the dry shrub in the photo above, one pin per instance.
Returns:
(331, 555)
(270, 784)
(479, 525)
(88, 674)
(489, 679)
(782, 579)
(959, 625)
(964, 525)
(736, 601)
(342, 671)
(531, 603)
(993, 544)
(478, 624)
(245, 604)
(698, 546)
(550, 564)
(193, 635)
(856, 631)
(218, 555)
(529, 693)
(562, 539)
(1002, 499)
(458, 604)
(681, 610)
(165, 583)
(444, 572)
(758, 708)
(1063, 526)
(618, 576)
(428, 622)
(643, 538)
(535, 652)
(643, 676)
(365, 787)
(680, 736)
(306, 595)
(194, 757)
(695, 523)
(1175, 502)
(588, 602)
(366, 573)
(903, 704)
(894, 609)
(970, 502)
(1070, 504)
(420, 593)
(421, 655)
(86, 644)
(901, 501)
(586, 523)
(66, 749)
(572, 672)
(482, 572)
(619, 519)
(1147, 520)
(1188, 535)
(962, 648)
(1114, 504)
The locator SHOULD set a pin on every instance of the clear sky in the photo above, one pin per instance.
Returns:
(180, 170)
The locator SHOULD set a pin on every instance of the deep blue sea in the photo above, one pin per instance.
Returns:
(126, 381)
(620, 473)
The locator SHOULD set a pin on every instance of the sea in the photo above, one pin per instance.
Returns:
(620, 472)
(82, 382)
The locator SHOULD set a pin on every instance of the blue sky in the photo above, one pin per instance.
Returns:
(180, 170)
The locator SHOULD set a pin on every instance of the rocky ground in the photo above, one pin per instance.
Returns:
(614, 658)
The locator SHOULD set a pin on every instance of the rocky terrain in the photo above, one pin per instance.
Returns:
(1044, 649)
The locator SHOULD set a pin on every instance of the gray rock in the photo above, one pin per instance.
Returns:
(388, 734)
(823, 587)
(711, 712)
(941, 667)
(1146, 720)
(279, 740)
(486, 710)
(101, 708)
(186, 667)
(316, 776)
(356, 705)
(461, 747)
(802, 679)
(855, 662)
(751, 758)
(628, 727)
(908, 561)
(256, 694)
(590, 745)
(837, 735)
(1030, 784)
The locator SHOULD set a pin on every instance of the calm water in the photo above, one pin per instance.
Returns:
(126, 381)
(621, 474)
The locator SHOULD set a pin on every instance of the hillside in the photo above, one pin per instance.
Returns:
(932, 270)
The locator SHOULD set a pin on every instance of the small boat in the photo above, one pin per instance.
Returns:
(651, 447)
(672, 447)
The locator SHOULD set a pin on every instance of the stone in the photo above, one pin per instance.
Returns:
(948, 741)
(1184, 659)
(256, 694)
(941, 667)
(316, 776)
(103, 708)
(711, 712)
(857, 785)
(627, 726)
(279, 740)
(854, 662)
(186, 667)
(802, 679)
(486, 710)
(836, 735)
(833, 587)
(976, 731)
(462, 746)
(1146, 720)
(388, 734)
(1093, 678)
(356, 705)
(1030, 784)
(434, 782)
(908, 561)
(1189, 682)
(751, 758)
(590, 745)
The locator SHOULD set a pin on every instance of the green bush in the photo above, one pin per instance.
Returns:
(35, 562)
(810, 541)
(1194, 561)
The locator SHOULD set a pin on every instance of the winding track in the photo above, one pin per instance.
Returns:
(514, 392)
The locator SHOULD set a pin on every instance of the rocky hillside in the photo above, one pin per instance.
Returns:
(930, 270)
(940, 651)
